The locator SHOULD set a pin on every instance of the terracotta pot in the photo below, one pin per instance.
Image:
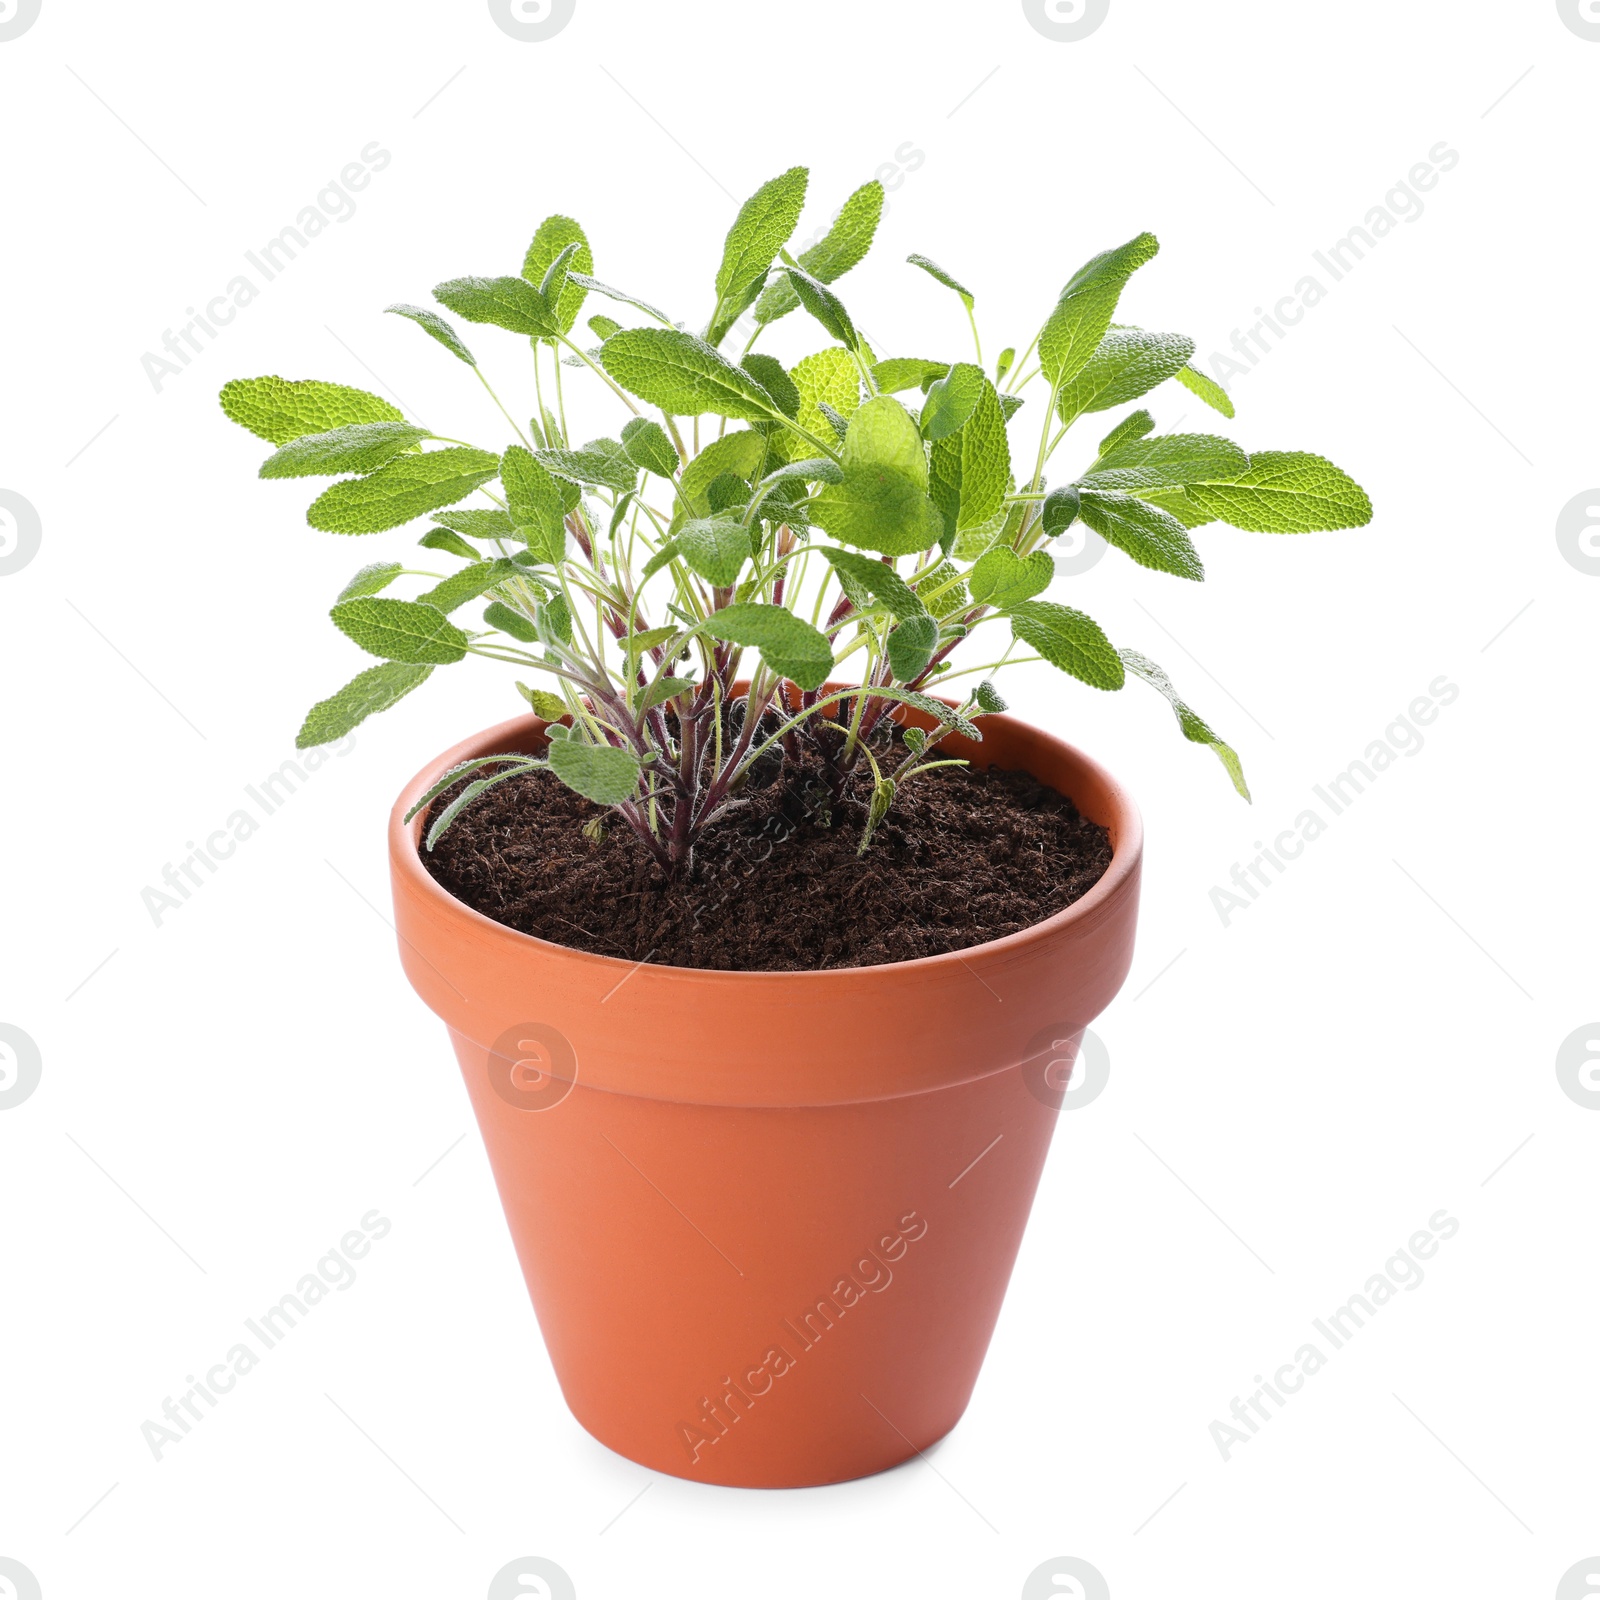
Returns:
(767, 1218)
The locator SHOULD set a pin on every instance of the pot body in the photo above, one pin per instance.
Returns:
(767, 1219)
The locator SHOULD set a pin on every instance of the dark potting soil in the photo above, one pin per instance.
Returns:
(963, 856)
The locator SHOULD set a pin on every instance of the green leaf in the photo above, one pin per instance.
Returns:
(499, 615)
(601, 327)
(616, 473)
(1285, 491)
(468, 584)
(519, 766)
(584, 281)
(1061, 507)
(1133, 426)
(768, 371)
(1209, 390)
(649, 447)
(829, 377)
(951, 400)
(434, 325)
(476, 524)
(664, 557)
(1128, 363)
(1069, 640)
(817, 470)
(763, 226)
(942, 714)
(911, 646)
(400, 630)
(844, 244)
(1010, 405)
(839, 424)
(368, 692)
(1082, 315)
(536, 509)
(406, 487)
(1001, 577)
(972, 468)
(635, 644)
(281, 409)
(823, 304)
(1003, 363)
(871, 581)
(554, 235)
(1194, 728)
(1175, 458)
(987, 698)
(715, 547)
(551, 707)
(727, 490)
(942, 591)
(599, 772)
(934, 270)
(356, 447)
(789, 645)
(883, 792)
(511, 303)
(882, 504)
(447, 539)
(1153, 537)
(740, 453)
(663, 689)
(683, 375)
(371, 578)
(907, 372)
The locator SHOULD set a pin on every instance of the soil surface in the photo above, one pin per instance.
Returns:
(964, 856)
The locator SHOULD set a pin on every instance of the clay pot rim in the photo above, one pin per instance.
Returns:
(1125, 825)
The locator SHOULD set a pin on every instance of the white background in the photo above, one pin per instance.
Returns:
(1291, 1096)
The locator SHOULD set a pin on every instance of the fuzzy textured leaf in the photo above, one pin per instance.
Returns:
(842, 247)
(371, 578)
(1069, 640)
(368, 692)
(1208, 389)
(683, 375)
(1153, 537)
(356, 447)
(1082, 315)
(1128, 363)
(511, 303)
(400, 630)
(436, 327)
(882, 504)
(1193, 726)
(789, 645)
(599, 772)
(407, 487)
(280, 409)
(870, 580)
(649, 447)
(762, 228)
(554, 235)
(1001, 577)
(972, 467)
(1285, 491)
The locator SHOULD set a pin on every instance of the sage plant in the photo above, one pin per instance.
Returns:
(843, 535)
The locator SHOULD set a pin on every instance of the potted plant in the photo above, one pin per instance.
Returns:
(765, 939)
